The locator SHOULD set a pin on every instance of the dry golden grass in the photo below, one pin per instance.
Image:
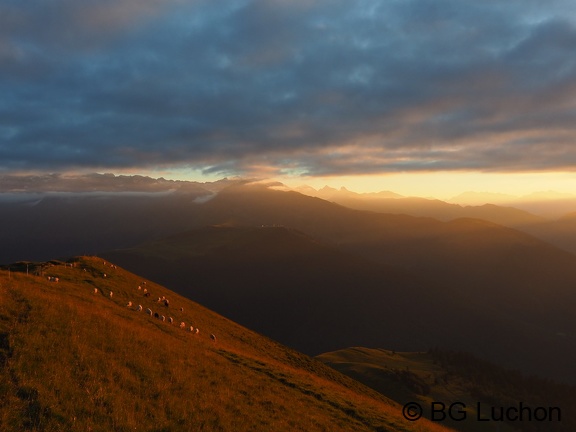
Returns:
(74, 360)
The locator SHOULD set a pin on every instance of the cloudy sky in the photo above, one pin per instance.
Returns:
(350, 89)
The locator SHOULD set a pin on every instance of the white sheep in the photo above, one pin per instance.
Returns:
(95, 290)
(139, 308)
(149, 311)
(196, 330)
(111, 294)
(213, 338)
(182, 324)
(191, 329)
(163, 318)
(129, 304)
(139, 287)
(170, 320)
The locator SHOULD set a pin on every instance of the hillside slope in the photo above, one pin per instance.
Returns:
(75, 357)
(373, 279)
(456, 377)
(282, 283)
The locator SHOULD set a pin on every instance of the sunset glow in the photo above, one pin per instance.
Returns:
(446, 185)
(421, 98)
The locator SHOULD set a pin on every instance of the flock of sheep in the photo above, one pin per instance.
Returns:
(161, 300)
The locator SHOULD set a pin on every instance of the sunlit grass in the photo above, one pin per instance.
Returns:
(75, 360)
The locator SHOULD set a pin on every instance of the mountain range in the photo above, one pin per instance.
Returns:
(319, 276)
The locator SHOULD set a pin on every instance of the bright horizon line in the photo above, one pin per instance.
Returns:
(443, 185)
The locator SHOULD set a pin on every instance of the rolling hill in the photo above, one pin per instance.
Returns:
(280, 282)
(455, 377)
(75, 357)
(554, 225)
(285, 280)
(387, 202)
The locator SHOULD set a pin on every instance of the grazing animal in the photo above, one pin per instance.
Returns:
(145, 290)
(170, 320)
(139, 308)
(163, 318)
(191, 329)
(213, 338)
(182, 324)
(181, 309)
(104, 275)
(139, 287)
(149, 311)
(95, 290)
(111, 294)
(129, 304)
(196, 330)
(166, 303)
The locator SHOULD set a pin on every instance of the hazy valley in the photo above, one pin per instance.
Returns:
(392, 273)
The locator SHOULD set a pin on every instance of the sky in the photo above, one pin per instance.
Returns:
(428, 97)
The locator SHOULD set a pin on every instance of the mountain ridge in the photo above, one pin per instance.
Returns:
(464, 297)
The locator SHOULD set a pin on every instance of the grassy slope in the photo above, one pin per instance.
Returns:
(74, 360)
(451, 377)
(380, 370)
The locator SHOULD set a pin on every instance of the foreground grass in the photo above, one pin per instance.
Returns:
(71, 359)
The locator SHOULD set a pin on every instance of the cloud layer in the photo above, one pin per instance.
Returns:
(310, 87)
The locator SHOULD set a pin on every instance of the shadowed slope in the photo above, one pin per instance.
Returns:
(280, 282)
(75, 359)
(491, 299)
(450, 377)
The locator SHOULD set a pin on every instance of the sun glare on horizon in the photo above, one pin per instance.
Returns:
(446, 185)
(442, 185)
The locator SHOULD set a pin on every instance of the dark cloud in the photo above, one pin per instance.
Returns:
(272, 86)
